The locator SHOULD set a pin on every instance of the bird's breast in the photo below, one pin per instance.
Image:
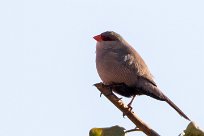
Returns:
(112, 70)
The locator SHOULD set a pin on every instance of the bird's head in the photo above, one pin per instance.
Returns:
(111, 40)
(108, 36)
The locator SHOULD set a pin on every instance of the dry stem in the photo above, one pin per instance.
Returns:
(122, 107)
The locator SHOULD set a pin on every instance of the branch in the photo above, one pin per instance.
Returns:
(126, 111)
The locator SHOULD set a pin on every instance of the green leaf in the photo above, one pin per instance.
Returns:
(192, 130)
(109, 131)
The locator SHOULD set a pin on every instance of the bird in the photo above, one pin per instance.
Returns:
(122, 68)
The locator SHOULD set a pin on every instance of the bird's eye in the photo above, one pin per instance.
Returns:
(107, 38)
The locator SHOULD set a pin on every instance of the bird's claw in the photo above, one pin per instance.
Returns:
(101, 94)
(124, 115)
(129, 107)
(111, 93)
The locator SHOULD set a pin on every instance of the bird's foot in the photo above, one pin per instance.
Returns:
(129, 106)
(130, 103)
(107, 86)
(124, 114)
(110, 87)
(129, 109)
(111, 93)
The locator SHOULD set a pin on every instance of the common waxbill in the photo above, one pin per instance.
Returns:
(120, 66)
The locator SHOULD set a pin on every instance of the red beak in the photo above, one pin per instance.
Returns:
(98, 38)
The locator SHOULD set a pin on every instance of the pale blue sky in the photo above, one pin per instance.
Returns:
(47, 57)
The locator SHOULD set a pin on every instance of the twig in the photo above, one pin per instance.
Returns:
(131, 130)
(122, 107)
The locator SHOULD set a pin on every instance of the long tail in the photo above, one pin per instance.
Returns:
(153, 91)
(176, 108)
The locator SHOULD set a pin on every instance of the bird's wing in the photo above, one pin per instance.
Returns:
(132, 60)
